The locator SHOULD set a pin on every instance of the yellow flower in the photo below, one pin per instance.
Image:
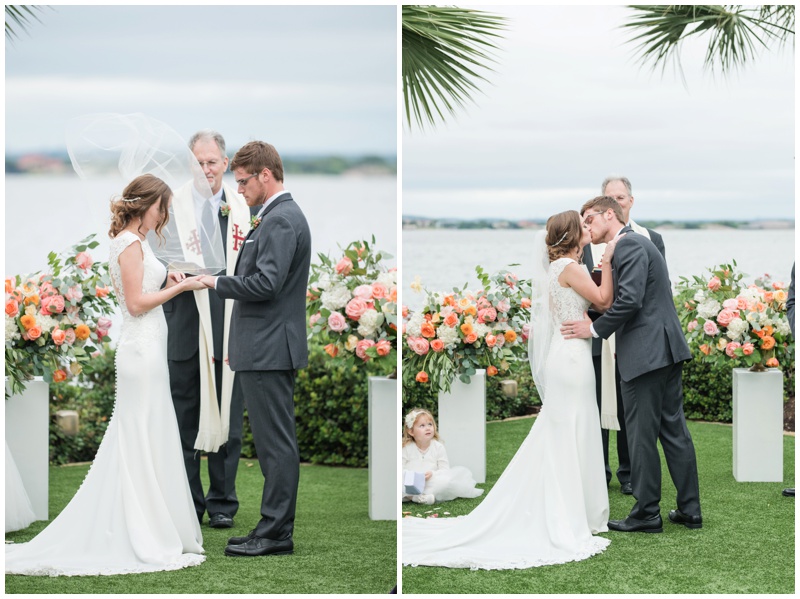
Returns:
(75, 368)
(722, 343)
(417, 284)
(350, 344)
(435, 317)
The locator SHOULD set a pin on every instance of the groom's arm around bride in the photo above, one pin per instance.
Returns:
(268, 337)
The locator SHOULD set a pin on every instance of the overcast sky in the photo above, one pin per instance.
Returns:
(568, 104)
(308, 79)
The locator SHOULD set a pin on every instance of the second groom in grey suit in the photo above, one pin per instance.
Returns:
(268, 338)
(651, 349)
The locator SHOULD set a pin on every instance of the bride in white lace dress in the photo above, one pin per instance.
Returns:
(134, 511)
(552, 497)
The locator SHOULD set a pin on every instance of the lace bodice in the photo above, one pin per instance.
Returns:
(154, 273)
(565, 302)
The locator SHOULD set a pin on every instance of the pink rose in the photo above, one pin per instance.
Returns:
(691, 326)
(419, 345)
(778, 285)
(361, 348)
(53, 304)
(710, 328)
(363, 291)
(730, 304)
(483, 302)
(500, 341)
(47, 289)
(731, 347)
(379, 290)
(337, 322)
(748, 349)
(526, 331)
(490, 340)
(714, 284)
(356, 307)
(74, 293)
(503, 305)
(511, 280)
(314, 319)
(58, 336)
(84, 261)
(725, 317)
(741, 303)
(383, 347)
(344, 267)
(70, 336)
(487, 315)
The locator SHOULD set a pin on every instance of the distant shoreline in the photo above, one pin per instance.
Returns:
(411, 223)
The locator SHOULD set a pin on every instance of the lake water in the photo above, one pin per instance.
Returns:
(446, 258)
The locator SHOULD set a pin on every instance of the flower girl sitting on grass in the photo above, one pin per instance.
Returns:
(424, 453)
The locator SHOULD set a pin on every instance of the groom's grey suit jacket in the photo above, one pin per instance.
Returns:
(268, 323)
(648, 333)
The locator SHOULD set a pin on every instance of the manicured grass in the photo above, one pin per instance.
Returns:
(746, 545)
(338, 549)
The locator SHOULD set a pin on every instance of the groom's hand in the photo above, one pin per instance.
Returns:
(577, 329)
(208, 281)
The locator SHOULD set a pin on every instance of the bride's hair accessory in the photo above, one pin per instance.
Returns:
(563, 237)
(131, 199)
(411, 417)
(119, 198)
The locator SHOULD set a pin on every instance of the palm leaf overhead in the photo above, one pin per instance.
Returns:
(734, 32)
(19, 17)
(443, 50)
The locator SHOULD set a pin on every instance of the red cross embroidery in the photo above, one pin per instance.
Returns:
(193, 245)
(238, 238)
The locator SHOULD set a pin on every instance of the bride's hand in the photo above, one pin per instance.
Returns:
(174, 278)
(610, 246)
(193, 283)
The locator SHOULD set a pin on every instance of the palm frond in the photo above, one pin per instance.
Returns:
(444, 48)
(19, 18)
(735, 32)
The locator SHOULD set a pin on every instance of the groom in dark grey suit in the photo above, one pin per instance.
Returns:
(651, 349)
(268, 338)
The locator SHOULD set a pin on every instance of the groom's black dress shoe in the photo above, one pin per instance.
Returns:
(258, 546)
(240, 540)
(633, 525)
(788, 492)
(220, 521)
(626, 489)
(678, 517)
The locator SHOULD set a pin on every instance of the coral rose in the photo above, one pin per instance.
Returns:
(405, 312)
(82, 332)
(491, 371)
(361, 348)
(422, 377)
(490, 340)
(53, 304)
(748, 348)
(773, 362)
(101, 291)
(714, 284)
(471, 338)
(525, 302)
(428, 330)
(331, 350)
(12, 308)
(710, 328)
(27, 321)
(337, 322)
(384, 348)
(344, 267)
(731, 347)
(437, 345)
(58, 336)
(487, 315)
(725, 317)
(379, 290)
(84, 261)
(34, 332)
(705, 349)
(451, 319)
(741, 302)
(511, 280)
(510, 336)
(356, 307)
(9, 285)
(767, 342)
(59, 376)
(778, 285)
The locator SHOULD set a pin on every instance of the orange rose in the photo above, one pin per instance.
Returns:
(471, 338)
(769, 329)
(12, 308)
(422, 377)
(9, 285)
(428, 330)
(525, 302)
(383, 347)
(405, 311)
(34, 333)
(59, 376)
(82, 332)
(510, 336)
(331, 350)
(768, 296)
(705, 349)
(466, 328)
(491, 371)
(449, 300)
(437, 345)
(32, 299)
(101, 291)
(28, 321)
(760, 333)
(471, 310)
(451, 319)
(773, 362)
(58, 336)
(767, 342)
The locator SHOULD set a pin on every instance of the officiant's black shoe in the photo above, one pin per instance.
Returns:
(678, 517)
(240, 540)
(220, 521)
(633, 525)
(788, 492)
(259, 546)
(626, 489)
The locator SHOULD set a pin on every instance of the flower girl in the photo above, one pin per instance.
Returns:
(424, 453)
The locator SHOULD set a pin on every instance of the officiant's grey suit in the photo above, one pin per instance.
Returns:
(267, 345)
(651, 349)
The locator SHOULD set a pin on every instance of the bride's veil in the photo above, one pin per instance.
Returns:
(541, 326)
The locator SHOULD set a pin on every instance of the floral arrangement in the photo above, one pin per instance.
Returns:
(729, 322)
(53, 318)
(456, 333)
(352, 306)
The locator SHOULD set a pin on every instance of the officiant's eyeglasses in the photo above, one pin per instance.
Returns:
(587, 220)
(245, 180)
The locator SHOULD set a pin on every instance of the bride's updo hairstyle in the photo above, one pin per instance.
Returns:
(564, 232)
(138, 196)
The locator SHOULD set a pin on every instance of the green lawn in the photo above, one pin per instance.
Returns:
(338, 549)
(746, 545)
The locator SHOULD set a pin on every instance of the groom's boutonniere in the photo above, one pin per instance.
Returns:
(254, 222)
(224, 209)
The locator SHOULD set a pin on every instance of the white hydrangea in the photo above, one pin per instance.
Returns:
(481, 329)
(12, 330)
(709, 309)
(736, 329)
(751, 294)
(449, 335)
(389, 279)
(783, 327)
(324, 281)
(336, 297)
(47, 323)
(700, 296)
(414, 325)
(369, 322)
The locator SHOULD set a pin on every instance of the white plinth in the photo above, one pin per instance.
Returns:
(757, 425)
(384, 481)
(28, 439)
(462, 424)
